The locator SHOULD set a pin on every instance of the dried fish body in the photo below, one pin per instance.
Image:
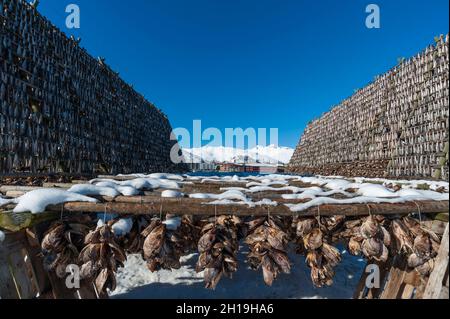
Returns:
(321, 257)
(162, 248)
(218, 248)
(313, 240)
(61, 245)
(268, 248)
(402, 236)
(101, 257)
(354, 246)
(425, 246)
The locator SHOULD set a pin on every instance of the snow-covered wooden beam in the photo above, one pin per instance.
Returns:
(187, 206)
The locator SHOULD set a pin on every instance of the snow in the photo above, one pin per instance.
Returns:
(122, 227)
(124, 190)
(338, 184)
(263, 154)
(4, 201)
(374, 190)
(266, 182)
(230, 195)
(172, 223)
(140, 183)
(136, 282)
(171, 194)
(166, 176)
(37, 201)
(93, 190)
(366, 200)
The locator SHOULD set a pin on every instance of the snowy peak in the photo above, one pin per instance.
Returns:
(219, 154)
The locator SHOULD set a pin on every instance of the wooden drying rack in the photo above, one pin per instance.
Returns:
(22, 274)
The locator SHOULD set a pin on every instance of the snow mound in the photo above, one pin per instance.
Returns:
(93, 190)
(122, 227)
(229, 195)
(37, 201)
(124, 190)
(171, 194)
(374, 190)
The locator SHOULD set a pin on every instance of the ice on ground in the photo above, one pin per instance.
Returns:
(171, 194)
(93, 190)
(135, 281)
(122, 227)
(37, 201)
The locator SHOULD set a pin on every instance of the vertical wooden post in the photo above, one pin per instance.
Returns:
(439, 276)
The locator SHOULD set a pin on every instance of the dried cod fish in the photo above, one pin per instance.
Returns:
(268, 247)
(101, 258)
(312, 240)
(162, 247)
(62, 244)
(218, 248)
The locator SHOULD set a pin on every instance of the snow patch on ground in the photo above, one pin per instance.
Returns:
(135, 281)
(2, 237)
(172, 223)
(122, 227)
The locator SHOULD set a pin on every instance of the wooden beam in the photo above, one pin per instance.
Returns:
(183, 206)
(436, 281)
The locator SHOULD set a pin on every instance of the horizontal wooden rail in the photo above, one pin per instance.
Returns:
(186, 206)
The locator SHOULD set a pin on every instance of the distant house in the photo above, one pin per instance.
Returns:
(250, 168)
(202, 167)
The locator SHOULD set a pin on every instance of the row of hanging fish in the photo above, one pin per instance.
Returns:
(100, 249)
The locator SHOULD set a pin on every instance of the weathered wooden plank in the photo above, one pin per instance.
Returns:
(58, 185)
(7, 286)
(36, 262)
(25, 286)
(9, 188)
(11, 222)
(408, 292)
(198, 207)
(395, 284)
(14, 194)
(437, 277)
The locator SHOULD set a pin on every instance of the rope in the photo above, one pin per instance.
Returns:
(62, 211)
(318, 217)
(215, 214)
(104, 215)
(368, 207)
(420, 213)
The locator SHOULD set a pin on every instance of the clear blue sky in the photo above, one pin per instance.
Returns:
(250, 63)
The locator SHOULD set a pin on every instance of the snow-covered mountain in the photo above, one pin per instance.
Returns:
(219, 154)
